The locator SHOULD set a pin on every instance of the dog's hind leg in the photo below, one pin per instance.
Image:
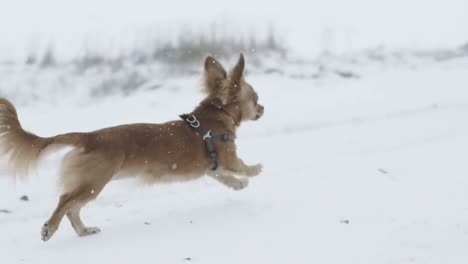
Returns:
(83, 177)
(66, 202)
(70, 205)
(80, 228)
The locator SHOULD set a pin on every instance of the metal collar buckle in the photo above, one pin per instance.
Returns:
(193, 121)
(207, 135)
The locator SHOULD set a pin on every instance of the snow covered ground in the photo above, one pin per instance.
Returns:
(368, 170)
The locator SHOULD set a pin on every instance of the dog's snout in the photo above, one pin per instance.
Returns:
(260, 110)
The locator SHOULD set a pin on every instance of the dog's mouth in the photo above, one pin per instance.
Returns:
(260, 110)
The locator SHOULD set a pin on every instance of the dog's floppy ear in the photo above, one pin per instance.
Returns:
(214, 75)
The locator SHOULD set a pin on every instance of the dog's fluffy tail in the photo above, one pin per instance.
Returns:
(24, 149)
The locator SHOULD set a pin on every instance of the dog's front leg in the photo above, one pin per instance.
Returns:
(229, 180)
(240, 168)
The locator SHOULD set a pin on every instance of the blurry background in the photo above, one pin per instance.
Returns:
(122, 46)
(306, 27)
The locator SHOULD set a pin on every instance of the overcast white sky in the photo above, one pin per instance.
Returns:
(306, 25)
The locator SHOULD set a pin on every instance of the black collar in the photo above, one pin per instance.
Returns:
(207, 137)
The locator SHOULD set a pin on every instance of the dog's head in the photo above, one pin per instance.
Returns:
(236, 95)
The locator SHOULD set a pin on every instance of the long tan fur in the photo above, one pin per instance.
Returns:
(23, 148)
(156, 153)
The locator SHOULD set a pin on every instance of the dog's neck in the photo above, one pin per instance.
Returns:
(231, 114)
(212, 109)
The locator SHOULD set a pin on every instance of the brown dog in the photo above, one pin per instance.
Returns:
(200, 144)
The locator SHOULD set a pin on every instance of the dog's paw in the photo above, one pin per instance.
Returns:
(254, 170)
(240, 184)
(89, 231)
(45, 232)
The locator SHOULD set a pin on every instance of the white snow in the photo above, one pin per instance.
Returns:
(369, 170)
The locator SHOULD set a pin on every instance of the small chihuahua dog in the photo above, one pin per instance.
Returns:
(200, 143)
